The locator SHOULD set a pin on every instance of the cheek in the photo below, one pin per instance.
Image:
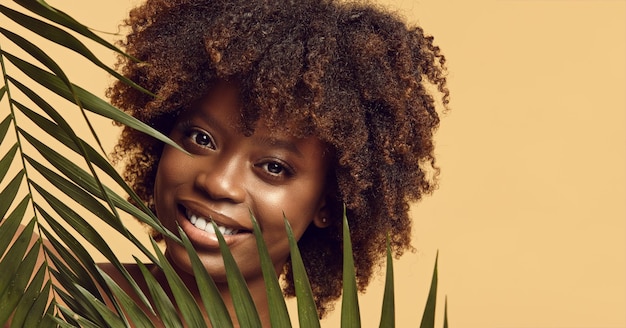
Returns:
(169, 166)
(299, 204)
(170, 172)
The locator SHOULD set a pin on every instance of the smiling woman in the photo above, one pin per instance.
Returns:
(344, 85)
(281, 109)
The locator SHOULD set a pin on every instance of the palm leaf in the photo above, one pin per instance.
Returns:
(307, 313)
(48, 62)
(61, 135)
(89, 101)
(162, 303)
(75, 261)
(350, 316)
(428, 318)
(279, 317)
(242, 301)
(211, 298)
(140, 319)
(4, 126)
(5, 162)
(445, 314)
(387, 317)
(43, 58)
(42, 9)
(80, 320)
(13, 257)
(66, 287)
(10, 192)
(107, 315)
(16, 268)
(29, 298)
(187, 305)
(11, 224)
(62, 38)
(68, 272)
(38, 314)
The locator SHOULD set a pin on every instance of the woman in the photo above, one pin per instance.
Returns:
(294, 107)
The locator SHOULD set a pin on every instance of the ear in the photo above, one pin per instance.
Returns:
(323, 217)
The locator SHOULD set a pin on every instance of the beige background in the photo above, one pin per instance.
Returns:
(530, 217)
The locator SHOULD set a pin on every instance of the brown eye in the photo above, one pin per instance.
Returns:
(274, 168)
(201, 139)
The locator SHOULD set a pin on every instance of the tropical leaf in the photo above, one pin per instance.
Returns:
(162, 303)
(107, 315)
(187, 305)
(42, 9)
(140, 319)
(445, 314)
(4, 126)
(428, 318)
(12, 259)
(242, 300)
(38, 314)
(60, 37)
(29, 298)
(11, 224)
(10, 192)
(279, 317)
(387, 317)
(11, 293)
(350, 316)
(61, 271)
(307, 313)
(211, 298)
(5, 162)
(80, 320)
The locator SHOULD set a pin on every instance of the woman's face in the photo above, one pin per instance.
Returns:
(228, 176)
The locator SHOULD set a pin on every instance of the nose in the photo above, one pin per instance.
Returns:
(223, 179)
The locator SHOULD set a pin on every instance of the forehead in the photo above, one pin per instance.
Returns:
(222, 109)
(224, 100)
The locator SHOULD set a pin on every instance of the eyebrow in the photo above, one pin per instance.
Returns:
(278, 143)
(259, 141)
(207, 119)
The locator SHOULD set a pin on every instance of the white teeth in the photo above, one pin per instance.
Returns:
(200, 223)
(209, 228)
(204, 224)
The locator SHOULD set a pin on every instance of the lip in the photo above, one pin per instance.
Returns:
(201, 239)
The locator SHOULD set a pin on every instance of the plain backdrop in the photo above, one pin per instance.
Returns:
(530, 217)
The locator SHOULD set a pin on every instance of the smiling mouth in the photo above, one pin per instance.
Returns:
(204, 224)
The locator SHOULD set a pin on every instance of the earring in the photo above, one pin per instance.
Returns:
(324, 220)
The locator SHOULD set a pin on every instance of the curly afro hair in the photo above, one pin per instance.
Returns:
(351, 74)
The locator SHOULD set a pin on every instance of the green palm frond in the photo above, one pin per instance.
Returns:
(211, 298)
(428, 319)
(388, 314)
(279, 317)
(58, 283)
(307, 315)
(350, 315)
